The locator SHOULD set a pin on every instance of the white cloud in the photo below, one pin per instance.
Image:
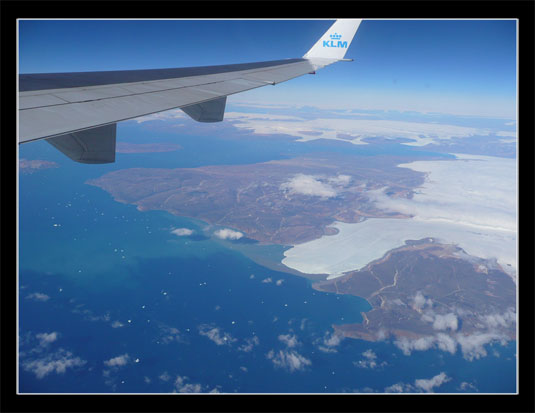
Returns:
(330, 342)
(327, 349)
(473, 345)
(164, 376)
(117, 361)
(426, 385)
(182, 232)
(443, 322)
(407, 345)
(302, 184)
(333, 341)
(249, 344)
(289, 339)
(510, 134)
(170, 334)
(216, 389)
(446, 343)
(215, 334)
(228, 234)
(46, 338)
(288, 360)
(57, 362)
(267, 280)
(38, 297)
(419, 301)
(429, 384)
(117, 324)
(398, 388)
(182, 387)
(382, 334)
(466, 386)
(342, 180)
(279, 282)
(500, 320)
(369, 361)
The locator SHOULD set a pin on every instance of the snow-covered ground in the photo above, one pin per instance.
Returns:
(470, 202)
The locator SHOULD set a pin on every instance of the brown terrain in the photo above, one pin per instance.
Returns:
(260, 200)
(254, 199)
(472, 289)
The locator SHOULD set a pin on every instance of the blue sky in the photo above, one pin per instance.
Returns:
(465, 67)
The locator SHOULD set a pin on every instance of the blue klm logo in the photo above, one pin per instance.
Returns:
(331, 43)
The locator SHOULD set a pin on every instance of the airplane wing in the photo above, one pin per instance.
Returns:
(77, 112)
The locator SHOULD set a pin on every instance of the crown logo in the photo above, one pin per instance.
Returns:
(336, 36)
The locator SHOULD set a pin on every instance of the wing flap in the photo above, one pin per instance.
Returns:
(211, 111)
(92, 146)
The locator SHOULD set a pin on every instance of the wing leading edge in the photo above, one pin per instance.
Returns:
(72, 105)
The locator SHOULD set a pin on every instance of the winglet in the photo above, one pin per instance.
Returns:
(335, 42)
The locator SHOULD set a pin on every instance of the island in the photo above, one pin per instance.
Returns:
(30, 166)
(425, 288)
(423, 293)
(283, 202)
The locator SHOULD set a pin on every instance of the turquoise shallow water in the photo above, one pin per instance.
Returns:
(189, 313)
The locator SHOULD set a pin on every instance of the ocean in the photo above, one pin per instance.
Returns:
(137, 309)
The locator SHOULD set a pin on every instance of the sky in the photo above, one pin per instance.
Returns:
(462, 67)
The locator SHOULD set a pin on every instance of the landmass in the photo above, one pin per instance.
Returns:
(425, 288)
(30, 166)
(283, 202)
(422, 291)
(125, 147)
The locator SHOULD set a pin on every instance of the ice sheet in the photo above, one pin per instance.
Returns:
(470, 202)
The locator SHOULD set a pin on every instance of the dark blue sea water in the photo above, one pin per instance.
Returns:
(187, 313)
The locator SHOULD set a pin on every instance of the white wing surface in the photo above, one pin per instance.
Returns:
(56, 104)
